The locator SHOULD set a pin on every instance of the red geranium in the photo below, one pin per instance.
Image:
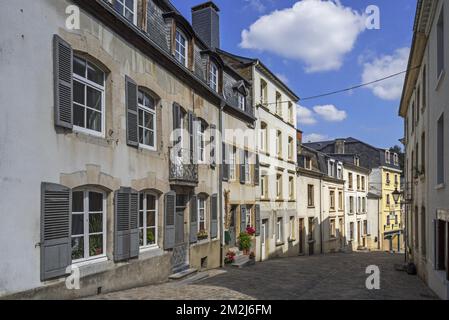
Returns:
(251, 231)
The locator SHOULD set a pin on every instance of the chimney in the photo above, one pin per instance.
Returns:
(339, 147)
(206, 23)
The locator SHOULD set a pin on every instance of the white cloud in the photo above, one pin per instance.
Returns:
(330, 113)
(385, 66)
(314, 137)
(305, 116)
(319, 33)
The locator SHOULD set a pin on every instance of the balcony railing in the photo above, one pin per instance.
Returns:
(182, 170)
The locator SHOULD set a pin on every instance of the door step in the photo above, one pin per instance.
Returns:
(183, 274)
(243, 261)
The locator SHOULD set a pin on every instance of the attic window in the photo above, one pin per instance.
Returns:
(241, 101)
(213, 77)
(181, 45)
(127, 8)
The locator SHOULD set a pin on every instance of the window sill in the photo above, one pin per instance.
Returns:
(291, 240)
(89, 133)
(310, 207)
(440, 186)
(148, 248)
(88, 262)
(279, 243)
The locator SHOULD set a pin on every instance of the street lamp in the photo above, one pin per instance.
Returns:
(396, 195)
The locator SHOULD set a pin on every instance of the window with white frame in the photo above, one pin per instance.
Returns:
(279, 144)
(264, 187)
(263, 92)
(332, 228)
(88, 225)
(340, 200)
(247, 168)
(396, 159)
(279, 186)
(213, 77)
(241, 101)
(201, 214)
(201, 142)
(387, 157)
(263, 136)
(148, 217)
(147, 120)
(278, 104)
(127, 8)
(291, 113)
(331, 168)
(181, 45)
(291, 188)
(88, 97)
(279, 235)
(332, 200)
(248, 216)
(307, 163)
(292, 228)
(290, 148)
(232, 163)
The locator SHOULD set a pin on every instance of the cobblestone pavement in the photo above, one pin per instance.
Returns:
(321, 277)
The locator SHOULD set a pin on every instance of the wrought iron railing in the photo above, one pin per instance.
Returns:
(182, 169)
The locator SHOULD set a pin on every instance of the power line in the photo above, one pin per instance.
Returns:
(352, 88)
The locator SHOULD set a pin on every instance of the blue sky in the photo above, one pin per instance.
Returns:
(318, 47)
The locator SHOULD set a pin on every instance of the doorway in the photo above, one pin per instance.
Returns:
(311, 236)
(232, 230)
(301, 236)
(263, 239)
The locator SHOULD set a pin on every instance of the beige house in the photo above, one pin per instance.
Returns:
(424, 109)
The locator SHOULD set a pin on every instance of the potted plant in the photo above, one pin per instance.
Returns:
(230, 257)
(245, 242)
(202, 235)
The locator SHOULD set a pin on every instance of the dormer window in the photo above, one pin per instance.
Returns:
(241, 101)
(387, 157)
(213, 77)
(181, 48)
(127, 8)
(396, 159)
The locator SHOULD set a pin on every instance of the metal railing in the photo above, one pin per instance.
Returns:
(182, 169)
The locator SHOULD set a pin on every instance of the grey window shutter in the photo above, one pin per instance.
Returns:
(132, 132)
(122, 239)
(225, 164)
(213, 144)
(134, 225)
(242, 167)
(257, 213)
(56, 230)
(243, 218)
(257, 171)
(194, 219)
(63, 82)
(176, 116)
(192, 136)
(169, 225)
(214, 216)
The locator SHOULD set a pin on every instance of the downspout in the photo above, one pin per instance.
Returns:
(321, 215)
(220, 182)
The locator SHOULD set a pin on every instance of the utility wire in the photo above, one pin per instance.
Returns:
(352, 88)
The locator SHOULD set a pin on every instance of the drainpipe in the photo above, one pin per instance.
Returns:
(220, 182)
(321, 216)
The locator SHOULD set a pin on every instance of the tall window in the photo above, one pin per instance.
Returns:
(263, 136)
(181, 48)
(279, 186)
(387, 157)
(423, 231)
(291, 113)
(440, 150)
(291, 188)
(249, 217)
(279, 144)
(358, 182)
(127, 8)
(147, 120)
(350, 180)
(423, 152)
(351, 231)
(388, 199)
(147, 220)
(359, 205)
(232, 164)
(331, 168)
(88, 225)
(88, 97)
(388, 179)
(263, 92)
(292, 228)
(364, 205)
(332, 228)
(213, 77)
(365, 227)
(424, 87)
(279, 235)
(264, 186)
(307, 163)
(396, 159)
(363, 184)
(310, 196)
(440, 44)
(241, 101)
(278, 103)
(247, 168)
(418, 103)
(290, 148)
(351, 204)
(340, 200)
(202, 214)
(202, 142)
(332, 200)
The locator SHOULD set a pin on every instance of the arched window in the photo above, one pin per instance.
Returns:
(148, 219)
(88, 224)
(181, 48)
(213, 76)
(88, 97)
(147, 120)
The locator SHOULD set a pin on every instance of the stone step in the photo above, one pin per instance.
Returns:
(243, 261)
(183, 274)
(195, 278)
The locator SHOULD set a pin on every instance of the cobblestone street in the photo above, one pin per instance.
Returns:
(334, 277)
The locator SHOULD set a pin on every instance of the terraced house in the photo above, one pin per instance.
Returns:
(275, 110)
(129, 109)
